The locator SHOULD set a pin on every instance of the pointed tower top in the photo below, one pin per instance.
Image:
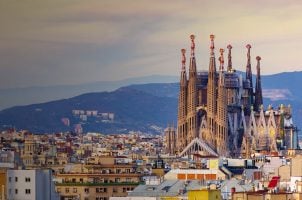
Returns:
(248, 46)
(258, 58)
(192, 37)
(249, 75)
(212, 47)
(183, 60)
(221, 60)
(230, 58)
(258, 89)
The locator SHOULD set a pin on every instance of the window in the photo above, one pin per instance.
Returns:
(117, 180)
(16, 179)
(100, 190)
(86, 190)
(114, 190)
(27, 179)
(10, 179)
(67, 190)
(59, 190)
(101, 198)
(16, 191)
(74, 190)
(27, 191)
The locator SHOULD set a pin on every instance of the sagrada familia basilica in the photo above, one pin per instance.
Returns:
(221, 112)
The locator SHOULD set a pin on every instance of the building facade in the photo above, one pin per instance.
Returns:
(100, 179)
(30, 185)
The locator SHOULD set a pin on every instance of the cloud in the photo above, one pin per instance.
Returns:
(95, 40)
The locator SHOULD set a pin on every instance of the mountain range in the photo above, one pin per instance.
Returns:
(30, 95)
(137, 107)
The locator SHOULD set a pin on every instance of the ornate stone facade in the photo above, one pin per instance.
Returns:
(225, 112)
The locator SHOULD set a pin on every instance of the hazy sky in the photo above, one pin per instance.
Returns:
(51, 42)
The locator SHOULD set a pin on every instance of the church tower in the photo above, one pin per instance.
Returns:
(192, 95)
(211, 96)
(258, 89)
(182, 104)
(248, 83)
(221, 118)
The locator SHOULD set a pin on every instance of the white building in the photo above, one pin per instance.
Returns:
(30, 185)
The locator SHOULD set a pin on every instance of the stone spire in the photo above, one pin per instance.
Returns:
(221, 65)
(212, 46)
(221, 117)
(249, 78)
(192, 37)
(230, 67)
(182, 103)
(192, 68)
(221, 60)
(183, 76)
(248, 74)
(192, 95)
(212, 94)
(212, 65)
(258, 88)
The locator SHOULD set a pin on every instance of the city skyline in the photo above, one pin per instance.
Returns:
(58, 42)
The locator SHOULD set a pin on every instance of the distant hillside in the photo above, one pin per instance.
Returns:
(31, 95)
(133, 110)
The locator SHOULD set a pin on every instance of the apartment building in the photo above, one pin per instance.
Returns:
(30, 185)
